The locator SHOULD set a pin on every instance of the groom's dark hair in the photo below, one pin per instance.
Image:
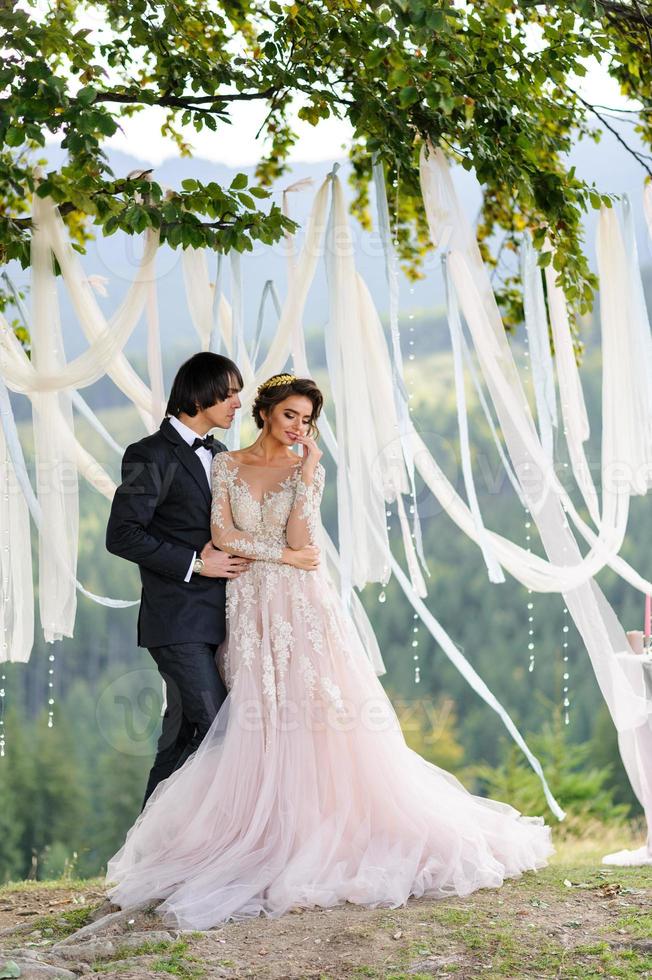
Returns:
(201, 381)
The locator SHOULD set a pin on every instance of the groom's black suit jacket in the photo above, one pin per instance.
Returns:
(160, 515)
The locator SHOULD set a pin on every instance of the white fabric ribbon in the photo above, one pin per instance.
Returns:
(25, 501)
(269, 290)
(456, 333)
(232, 437)
(56, 467)
(78, 402)
(536, 325)
(154, 359)
(627, 362)
(17, 605)
(299, 357)
(641, 321)
(361, 480)
(294, 304)
(290, 244)
(573, 407)
(220, 319)
(647, 206)
(199, 295)
(91, 318)
(490, 422)
(398, 383)
(84, 409)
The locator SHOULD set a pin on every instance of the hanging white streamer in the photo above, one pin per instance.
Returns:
(627, 360)
(400, 391)
(14, 448)
(17, 605)
(217, 314)
(78, 402)
(647, 206)
(390, 461)
(290, 245)
(360, 484)
(154, 359)
(298, 339)
(490, 422)
(455, 328)
(641, 322)
(84, 409)
(269, 289)
(56, 469)
(239, 355)
(90, 316)
(573, 406)
(199, 295)
(536, 325)
(295, 300)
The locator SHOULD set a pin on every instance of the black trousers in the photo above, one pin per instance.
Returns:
(195, 693)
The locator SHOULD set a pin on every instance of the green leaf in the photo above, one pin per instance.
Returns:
(436, 20)
(190, 184)
(545, 258)
(239, 182)
(140, 219)
(408, 96)
(86, 95)
(14, 136)
(105, 123)
(375, 57)
(396, 77)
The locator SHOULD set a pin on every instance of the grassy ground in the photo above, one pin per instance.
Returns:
(575, 919)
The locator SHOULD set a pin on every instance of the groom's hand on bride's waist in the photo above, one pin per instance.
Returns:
(219, 564)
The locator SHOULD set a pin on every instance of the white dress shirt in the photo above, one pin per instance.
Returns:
(206, 457)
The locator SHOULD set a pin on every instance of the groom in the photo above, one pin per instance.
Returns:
(160, 519)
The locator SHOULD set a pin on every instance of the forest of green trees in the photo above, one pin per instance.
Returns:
(70, 792)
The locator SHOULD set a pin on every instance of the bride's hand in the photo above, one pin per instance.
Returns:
(311, 451)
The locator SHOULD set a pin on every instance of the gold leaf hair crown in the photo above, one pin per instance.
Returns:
(282, 379)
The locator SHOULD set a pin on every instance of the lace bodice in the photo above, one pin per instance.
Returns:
(257, 511)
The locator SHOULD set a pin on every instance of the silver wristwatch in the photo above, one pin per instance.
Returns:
(198, 566)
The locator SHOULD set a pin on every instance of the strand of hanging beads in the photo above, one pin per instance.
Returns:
(51, 663)
(3, 680)
(530, 602)
(565, 672)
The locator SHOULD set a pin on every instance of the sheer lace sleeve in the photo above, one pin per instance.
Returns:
(224, 534)
(304, 517)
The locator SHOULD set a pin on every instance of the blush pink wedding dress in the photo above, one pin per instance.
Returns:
(304, 792)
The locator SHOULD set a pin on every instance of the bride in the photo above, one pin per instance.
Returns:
(304, 792)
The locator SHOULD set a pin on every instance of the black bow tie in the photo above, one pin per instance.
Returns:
(208, 442)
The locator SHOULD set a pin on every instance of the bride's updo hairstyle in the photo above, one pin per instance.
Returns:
(279, 387)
